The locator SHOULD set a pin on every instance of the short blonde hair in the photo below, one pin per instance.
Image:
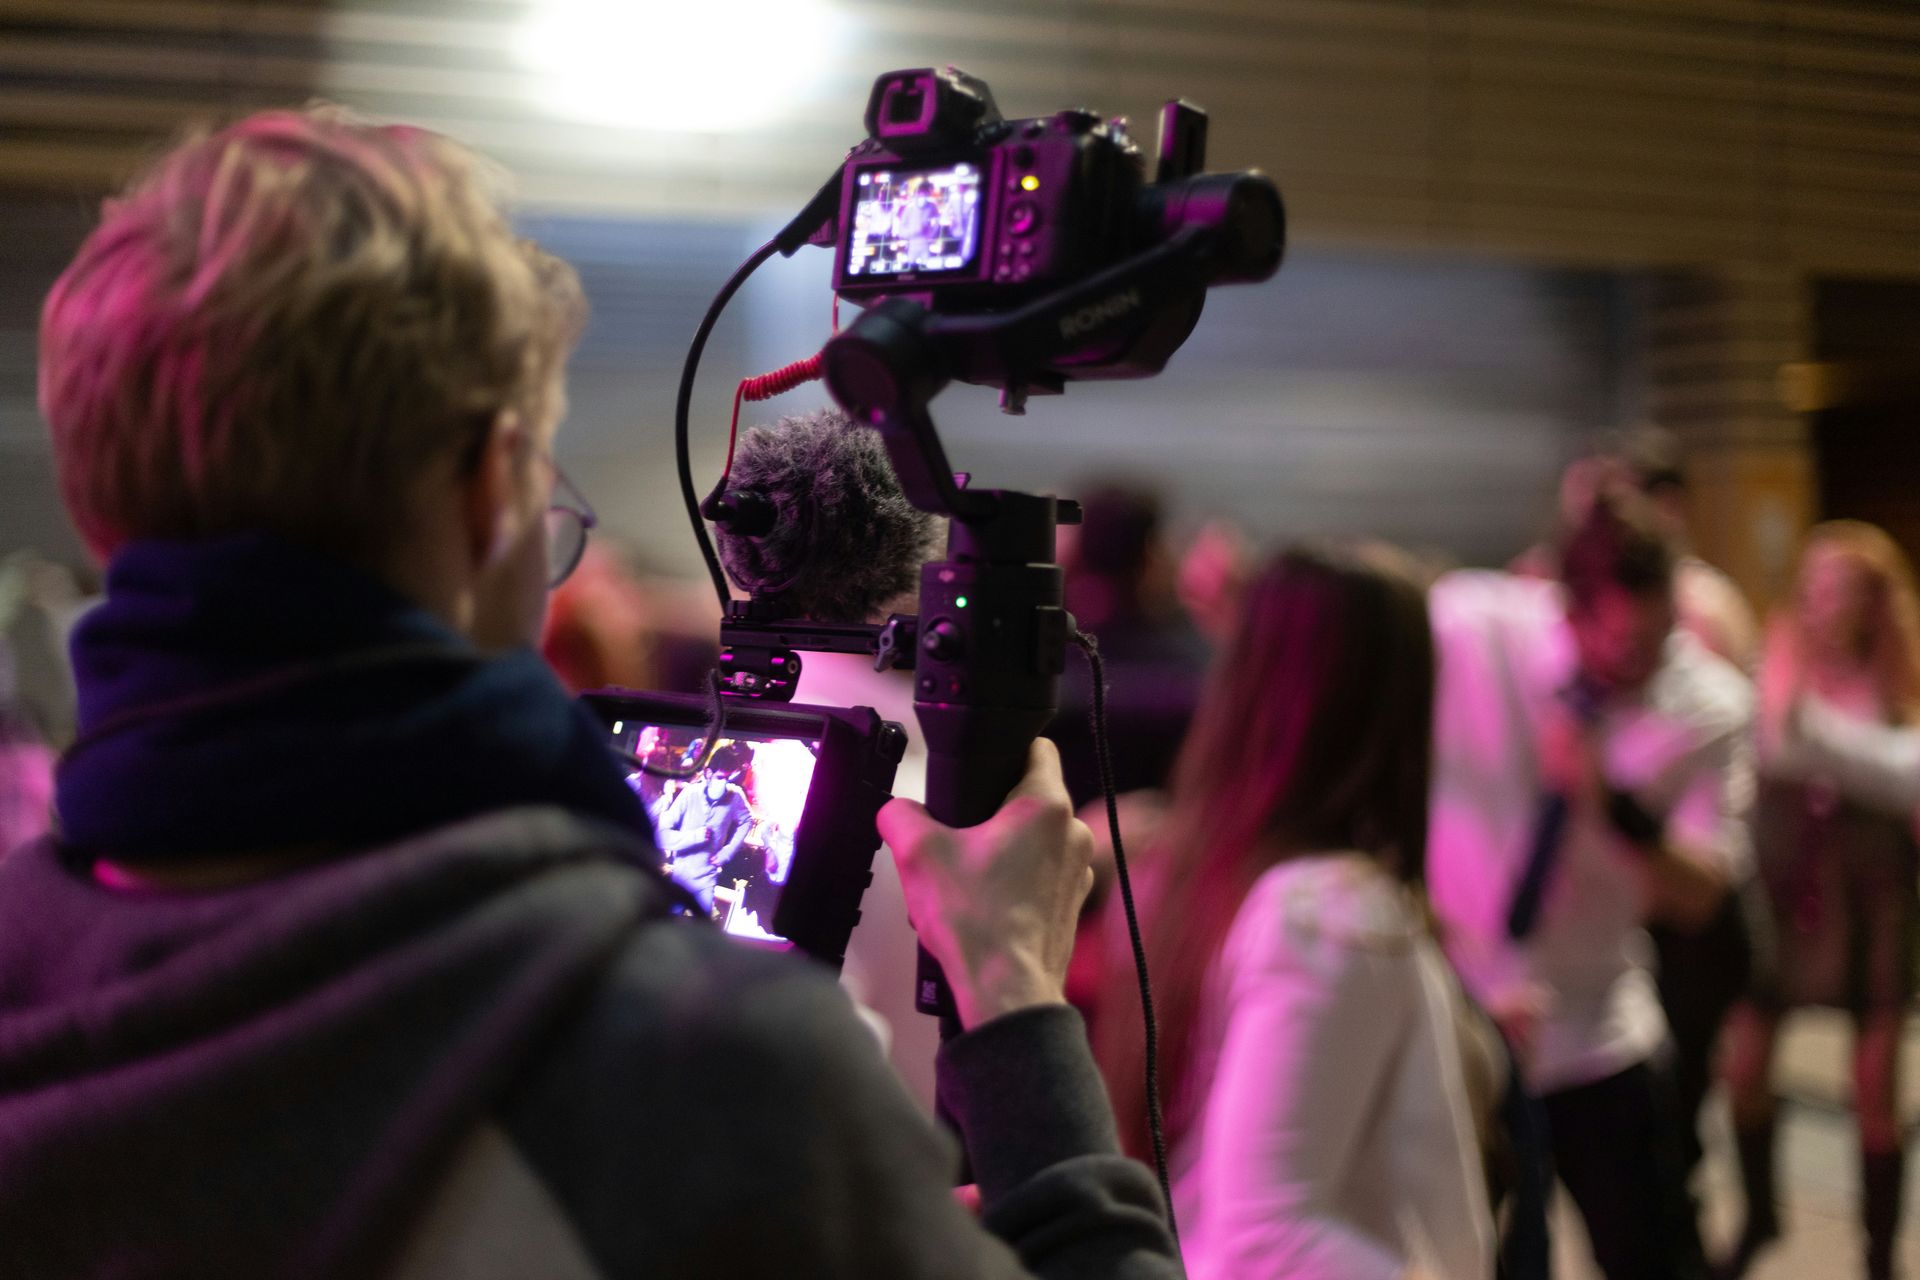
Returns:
(283, 323)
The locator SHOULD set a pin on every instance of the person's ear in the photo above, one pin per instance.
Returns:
(491, 490)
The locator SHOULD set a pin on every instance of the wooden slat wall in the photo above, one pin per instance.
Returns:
(1717, 346)
(1604, 131)
(1360, 394)
(1690, 141)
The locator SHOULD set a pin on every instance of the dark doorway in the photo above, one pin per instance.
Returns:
(1867, 443)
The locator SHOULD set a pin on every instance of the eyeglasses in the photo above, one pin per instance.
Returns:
(568, 519)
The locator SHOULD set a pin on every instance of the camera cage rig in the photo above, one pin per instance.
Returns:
(988, 644)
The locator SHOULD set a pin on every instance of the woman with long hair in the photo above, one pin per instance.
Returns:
(1316, 1106)
(1839, 861)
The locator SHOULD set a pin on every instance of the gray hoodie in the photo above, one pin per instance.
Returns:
(489, 1052)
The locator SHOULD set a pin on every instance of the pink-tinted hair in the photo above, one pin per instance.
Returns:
(281, 323)
(1314, 734)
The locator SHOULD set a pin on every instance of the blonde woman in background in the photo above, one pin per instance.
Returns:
(1836, 850)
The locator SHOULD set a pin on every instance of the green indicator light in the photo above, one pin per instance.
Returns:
(960, 602)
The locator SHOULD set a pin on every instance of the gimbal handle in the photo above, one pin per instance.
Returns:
(992, 632)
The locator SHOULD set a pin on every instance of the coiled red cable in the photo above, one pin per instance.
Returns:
(765, 387)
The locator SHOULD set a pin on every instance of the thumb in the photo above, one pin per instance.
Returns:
(904, 823)
(1044, 779)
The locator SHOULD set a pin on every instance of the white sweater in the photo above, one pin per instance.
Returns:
(1336, 1141)
(1875, 765)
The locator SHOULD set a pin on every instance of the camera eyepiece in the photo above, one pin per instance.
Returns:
(924, 108)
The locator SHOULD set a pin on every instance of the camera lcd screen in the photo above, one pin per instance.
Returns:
(914, 221)
(726, 834)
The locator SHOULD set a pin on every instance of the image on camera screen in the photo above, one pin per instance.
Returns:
(914, 221)
(726, 833)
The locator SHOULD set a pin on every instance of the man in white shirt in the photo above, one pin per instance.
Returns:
(1703, 972)
(1590, 774)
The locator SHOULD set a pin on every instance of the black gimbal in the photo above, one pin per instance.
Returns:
(989, 643)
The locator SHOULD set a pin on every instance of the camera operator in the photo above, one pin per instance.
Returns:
(350, 956)
(1591, 773)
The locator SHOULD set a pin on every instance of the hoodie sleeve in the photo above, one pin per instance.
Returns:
(753, 1128)
(1040, 1136)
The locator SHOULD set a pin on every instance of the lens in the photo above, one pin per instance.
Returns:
(1256, 226)
(1242, 209)
(566, 542)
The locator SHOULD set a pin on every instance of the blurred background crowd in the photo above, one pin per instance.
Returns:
(1681, 236)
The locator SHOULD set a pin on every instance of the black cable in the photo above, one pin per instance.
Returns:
(1102, 750)
(715, 730)
(683, 407)
(818, 219)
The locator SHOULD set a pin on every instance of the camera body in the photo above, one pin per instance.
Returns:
(951, 202)
(1025, 254)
